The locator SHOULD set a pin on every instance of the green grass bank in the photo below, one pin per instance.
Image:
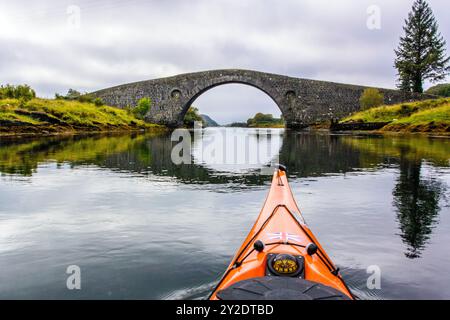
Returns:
(427, 116)
(49, 116)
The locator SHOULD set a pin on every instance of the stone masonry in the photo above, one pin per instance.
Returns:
(301, 101)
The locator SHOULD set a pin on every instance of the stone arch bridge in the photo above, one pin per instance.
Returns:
(301, 101)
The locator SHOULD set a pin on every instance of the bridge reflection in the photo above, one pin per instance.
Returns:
(305, 155)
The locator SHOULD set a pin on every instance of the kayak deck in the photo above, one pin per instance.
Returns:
(277, 247)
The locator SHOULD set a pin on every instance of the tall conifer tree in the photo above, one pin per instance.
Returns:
(421, 54)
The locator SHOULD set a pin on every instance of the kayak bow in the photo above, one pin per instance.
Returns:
(281, 258)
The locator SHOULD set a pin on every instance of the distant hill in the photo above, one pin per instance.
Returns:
(208, 121)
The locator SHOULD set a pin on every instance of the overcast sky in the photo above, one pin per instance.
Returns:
(49, 46)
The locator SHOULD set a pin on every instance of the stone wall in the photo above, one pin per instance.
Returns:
(301, 101)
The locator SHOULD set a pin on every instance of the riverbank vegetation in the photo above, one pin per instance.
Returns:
(22, 92)
(441, 90)
(371, 98)
(260, 120)
(142, 108)
(192, 116)
(47, 116)
(237, 125)
(21, 112)
(422, 116)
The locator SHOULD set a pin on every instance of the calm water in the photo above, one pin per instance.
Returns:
(141, 227)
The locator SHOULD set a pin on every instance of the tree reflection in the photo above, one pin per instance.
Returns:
(305, 156)
(417, 203)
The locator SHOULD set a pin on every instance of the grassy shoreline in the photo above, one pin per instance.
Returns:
(427, 116)
(54, 117)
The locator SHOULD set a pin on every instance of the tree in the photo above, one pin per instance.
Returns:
(421, 53)
(371, 98)
(261, 117)
(72, 94)
(142, 108)
(23, 92)
(192, 115)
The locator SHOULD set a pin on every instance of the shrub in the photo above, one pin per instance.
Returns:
(264, 119)
(23, 92)
(260, 117)
(371, 98)
(76, 95)
(86, 98)
(142, 108)
(72, 95)
(407, 110)
(442, 90)
(192, 115)
(6, 92)
(98, 102)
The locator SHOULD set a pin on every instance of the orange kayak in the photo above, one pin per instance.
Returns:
(281, 259)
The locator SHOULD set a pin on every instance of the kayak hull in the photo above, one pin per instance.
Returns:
(282, 229)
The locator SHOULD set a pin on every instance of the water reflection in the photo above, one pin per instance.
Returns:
(416, 196)
(237, 150)
(305, 155)
(416, 199)
(317, 155)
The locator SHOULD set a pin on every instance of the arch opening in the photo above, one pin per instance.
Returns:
(233, 102)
